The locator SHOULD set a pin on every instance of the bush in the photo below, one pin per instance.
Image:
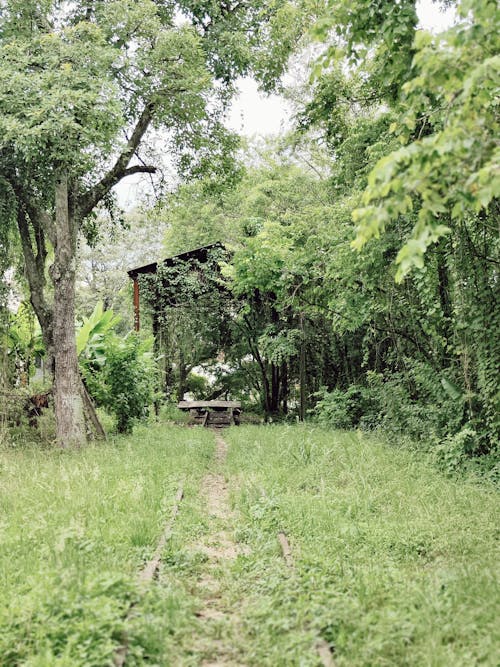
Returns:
(417, 403)
(357, 406)
(128, 378)
(197, 385)
(123, 380)
(169, 412)
(462, 452)
(118, 372)
(452, 452)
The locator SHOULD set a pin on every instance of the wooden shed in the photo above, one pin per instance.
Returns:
(200, 255)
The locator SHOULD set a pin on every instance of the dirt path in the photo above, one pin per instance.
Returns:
(218, 638)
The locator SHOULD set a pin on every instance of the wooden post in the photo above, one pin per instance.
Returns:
(137, 319)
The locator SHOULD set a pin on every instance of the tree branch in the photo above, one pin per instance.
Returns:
(139, 169)
(89, 200)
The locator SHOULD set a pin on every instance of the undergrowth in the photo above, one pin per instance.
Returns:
(395, 563)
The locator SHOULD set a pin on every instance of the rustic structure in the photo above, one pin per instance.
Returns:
(189, 308)
(200, 255)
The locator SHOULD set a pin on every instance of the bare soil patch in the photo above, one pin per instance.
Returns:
(219, 623)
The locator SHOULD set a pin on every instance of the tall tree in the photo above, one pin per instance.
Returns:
(420, 166)
(83, 88)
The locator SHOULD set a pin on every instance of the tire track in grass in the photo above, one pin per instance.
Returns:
(220, 551)
(321, 645)
(148, 573)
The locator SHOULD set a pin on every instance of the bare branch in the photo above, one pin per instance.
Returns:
(139, 169)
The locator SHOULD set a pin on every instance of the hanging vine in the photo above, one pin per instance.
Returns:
(189, 308)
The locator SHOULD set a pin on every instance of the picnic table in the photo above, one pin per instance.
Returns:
(216, 414)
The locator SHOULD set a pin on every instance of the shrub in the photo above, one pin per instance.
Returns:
(118, 372)
(197, 385)
(170, 412)
(419, 402)
(127, 382)
(453, 451)
(356, 406)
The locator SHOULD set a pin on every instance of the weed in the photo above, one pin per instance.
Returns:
(395, 564)
(76, 527)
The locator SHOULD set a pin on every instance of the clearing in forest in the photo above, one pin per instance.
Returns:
(392, 562)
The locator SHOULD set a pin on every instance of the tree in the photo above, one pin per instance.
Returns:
(432, 185)
(448, 169)
(268, 220)
(83, 87)
(416, 356)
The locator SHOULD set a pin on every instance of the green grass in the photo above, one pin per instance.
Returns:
(75, 528)
(395, 565)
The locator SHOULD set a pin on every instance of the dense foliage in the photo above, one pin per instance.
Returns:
(117, 371)
(435, 194)
(83, 89)
(189, 309)
(394, 355)
(360, 282)
(400, 334)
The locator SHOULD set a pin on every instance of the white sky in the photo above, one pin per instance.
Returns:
(254, 113)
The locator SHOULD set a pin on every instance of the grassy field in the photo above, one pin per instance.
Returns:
(394, 564)
(75, 529)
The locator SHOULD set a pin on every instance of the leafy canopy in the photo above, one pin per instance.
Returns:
(449, 165)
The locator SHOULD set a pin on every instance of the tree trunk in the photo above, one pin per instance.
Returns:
(58, 335)
(302, 372)
(266, 388)
(275, 389)
(91, 418)
(34, 262)
(284, 388)
(68, 399)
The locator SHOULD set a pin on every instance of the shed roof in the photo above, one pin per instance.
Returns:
(200, 254)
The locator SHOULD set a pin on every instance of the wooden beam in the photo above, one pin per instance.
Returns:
(137, 315)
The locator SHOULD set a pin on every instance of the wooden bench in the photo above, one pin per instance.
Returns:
(216, 414)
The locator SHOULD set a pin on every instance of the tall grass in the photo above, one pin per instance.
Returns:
(396, 565)
(75, 528)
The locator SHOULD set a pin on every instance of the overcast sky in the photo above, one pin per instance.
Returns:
(254, 113)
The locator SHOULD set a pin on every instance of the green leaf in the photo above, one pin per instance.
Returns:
(451, 389)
